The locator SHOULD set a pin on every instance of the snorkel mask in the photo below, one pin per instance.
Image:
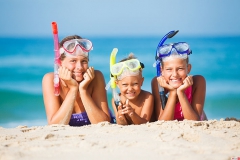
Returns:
(168, 51)
(176, 50)
(75, 47)
(126, 68)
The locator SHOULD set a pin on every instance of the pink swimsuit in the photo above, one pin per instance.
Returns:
(178, 109)
(178, 115)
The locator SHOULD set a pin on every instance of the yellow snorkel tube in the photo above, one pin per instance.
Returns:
(112, 62)
(113, 78)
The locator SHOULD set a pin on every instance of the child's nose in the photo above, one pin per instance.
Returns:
(79, 65)
(130, 87)
(174, 73)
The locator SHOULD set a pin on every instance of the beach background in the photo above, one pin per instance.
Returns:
(26, 45)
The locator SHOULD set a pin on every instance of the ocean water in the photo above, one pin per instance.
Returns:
(24, 61)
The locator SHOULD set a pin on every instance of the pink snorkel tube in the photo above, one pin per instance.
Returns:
(56, 59)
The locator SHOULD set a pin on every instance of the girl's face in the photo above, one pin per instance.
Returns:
(130, 87)
(77, 65)
(175, 71)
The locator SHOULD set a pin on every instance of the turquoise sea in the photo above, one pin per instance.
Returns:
(24, 61)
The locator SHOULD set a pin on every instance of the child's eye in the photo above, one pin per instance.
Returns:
(84, 61)
(135, 84)
(73, 60)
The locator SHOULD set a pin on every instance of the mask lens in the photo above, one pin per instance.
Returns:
(132, 64)
(85, 44)
(181, 47)
(164, 50)
(117, 68)
(69, 46)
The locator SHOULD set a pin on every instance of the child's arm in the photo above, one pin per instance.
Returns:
(168, 112)
(59, 112)
(157, 101)
(118, 113)
(146, 111)
(95, 101)
(194, 111)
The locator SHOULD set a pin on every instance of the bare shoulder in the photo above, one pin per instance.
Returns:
(48, 77)
(154, 80)
(146, 94)
(98, 74)
(199, 81)
(98, 81)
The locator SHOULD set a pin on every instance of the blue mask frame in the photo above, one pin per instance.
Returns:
(168, 35)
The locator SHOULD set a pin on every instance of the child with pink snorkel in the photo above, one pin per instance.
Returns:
(136, 105)
(82, 97)
(186, 93)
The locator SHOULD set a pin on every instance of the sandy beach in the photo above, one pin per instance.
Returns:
(158, 140)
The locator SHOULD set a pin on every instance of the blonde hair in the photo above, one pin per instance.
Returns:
(130, 56)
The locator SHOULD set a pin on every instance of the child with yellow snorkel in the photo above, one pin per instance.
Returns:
(135, 105)
(186, 93)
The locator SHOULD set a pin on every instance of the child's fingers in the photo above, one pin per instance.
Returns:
(131, 114)
(161, 81)
(188, 80)
(127, 103)
(64, 73)
(120, 106)
(90, 73)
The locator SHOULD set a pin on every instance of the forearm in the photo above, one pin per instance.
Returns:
(169, 111)
(136, 119)
(95, 113)
(64, 113)
(187, 109)
(121, 120)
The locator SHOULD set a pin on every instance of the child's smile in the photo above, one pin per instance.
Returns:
(130, 86)
(175, 71)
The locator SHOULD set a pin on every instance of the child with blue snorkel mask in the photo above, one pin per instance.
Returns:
(82, 99)
(186, 93)
(136, 105)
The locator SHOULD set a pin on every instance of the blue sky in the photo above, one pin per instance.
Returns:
(119, 17)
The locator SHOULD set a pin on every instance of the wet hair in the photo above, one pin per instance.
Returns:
(67, 39)
(130, 56)
(187, 61)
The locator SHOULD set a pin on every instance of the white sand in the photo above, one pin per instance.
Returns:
(159, 140)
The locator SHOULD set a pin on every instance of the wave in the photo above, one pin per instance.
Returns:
(24, 87)
(223, 87)
(22, 61)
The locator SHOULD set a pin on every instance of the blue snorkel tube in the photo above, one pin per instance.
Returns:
(158, 65)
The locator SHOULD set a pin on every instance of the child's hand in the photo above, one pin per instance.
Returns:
(121, 116)
(88, 77)
(162, 82)
(128, 109)
(66, 76)
(188, 81)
